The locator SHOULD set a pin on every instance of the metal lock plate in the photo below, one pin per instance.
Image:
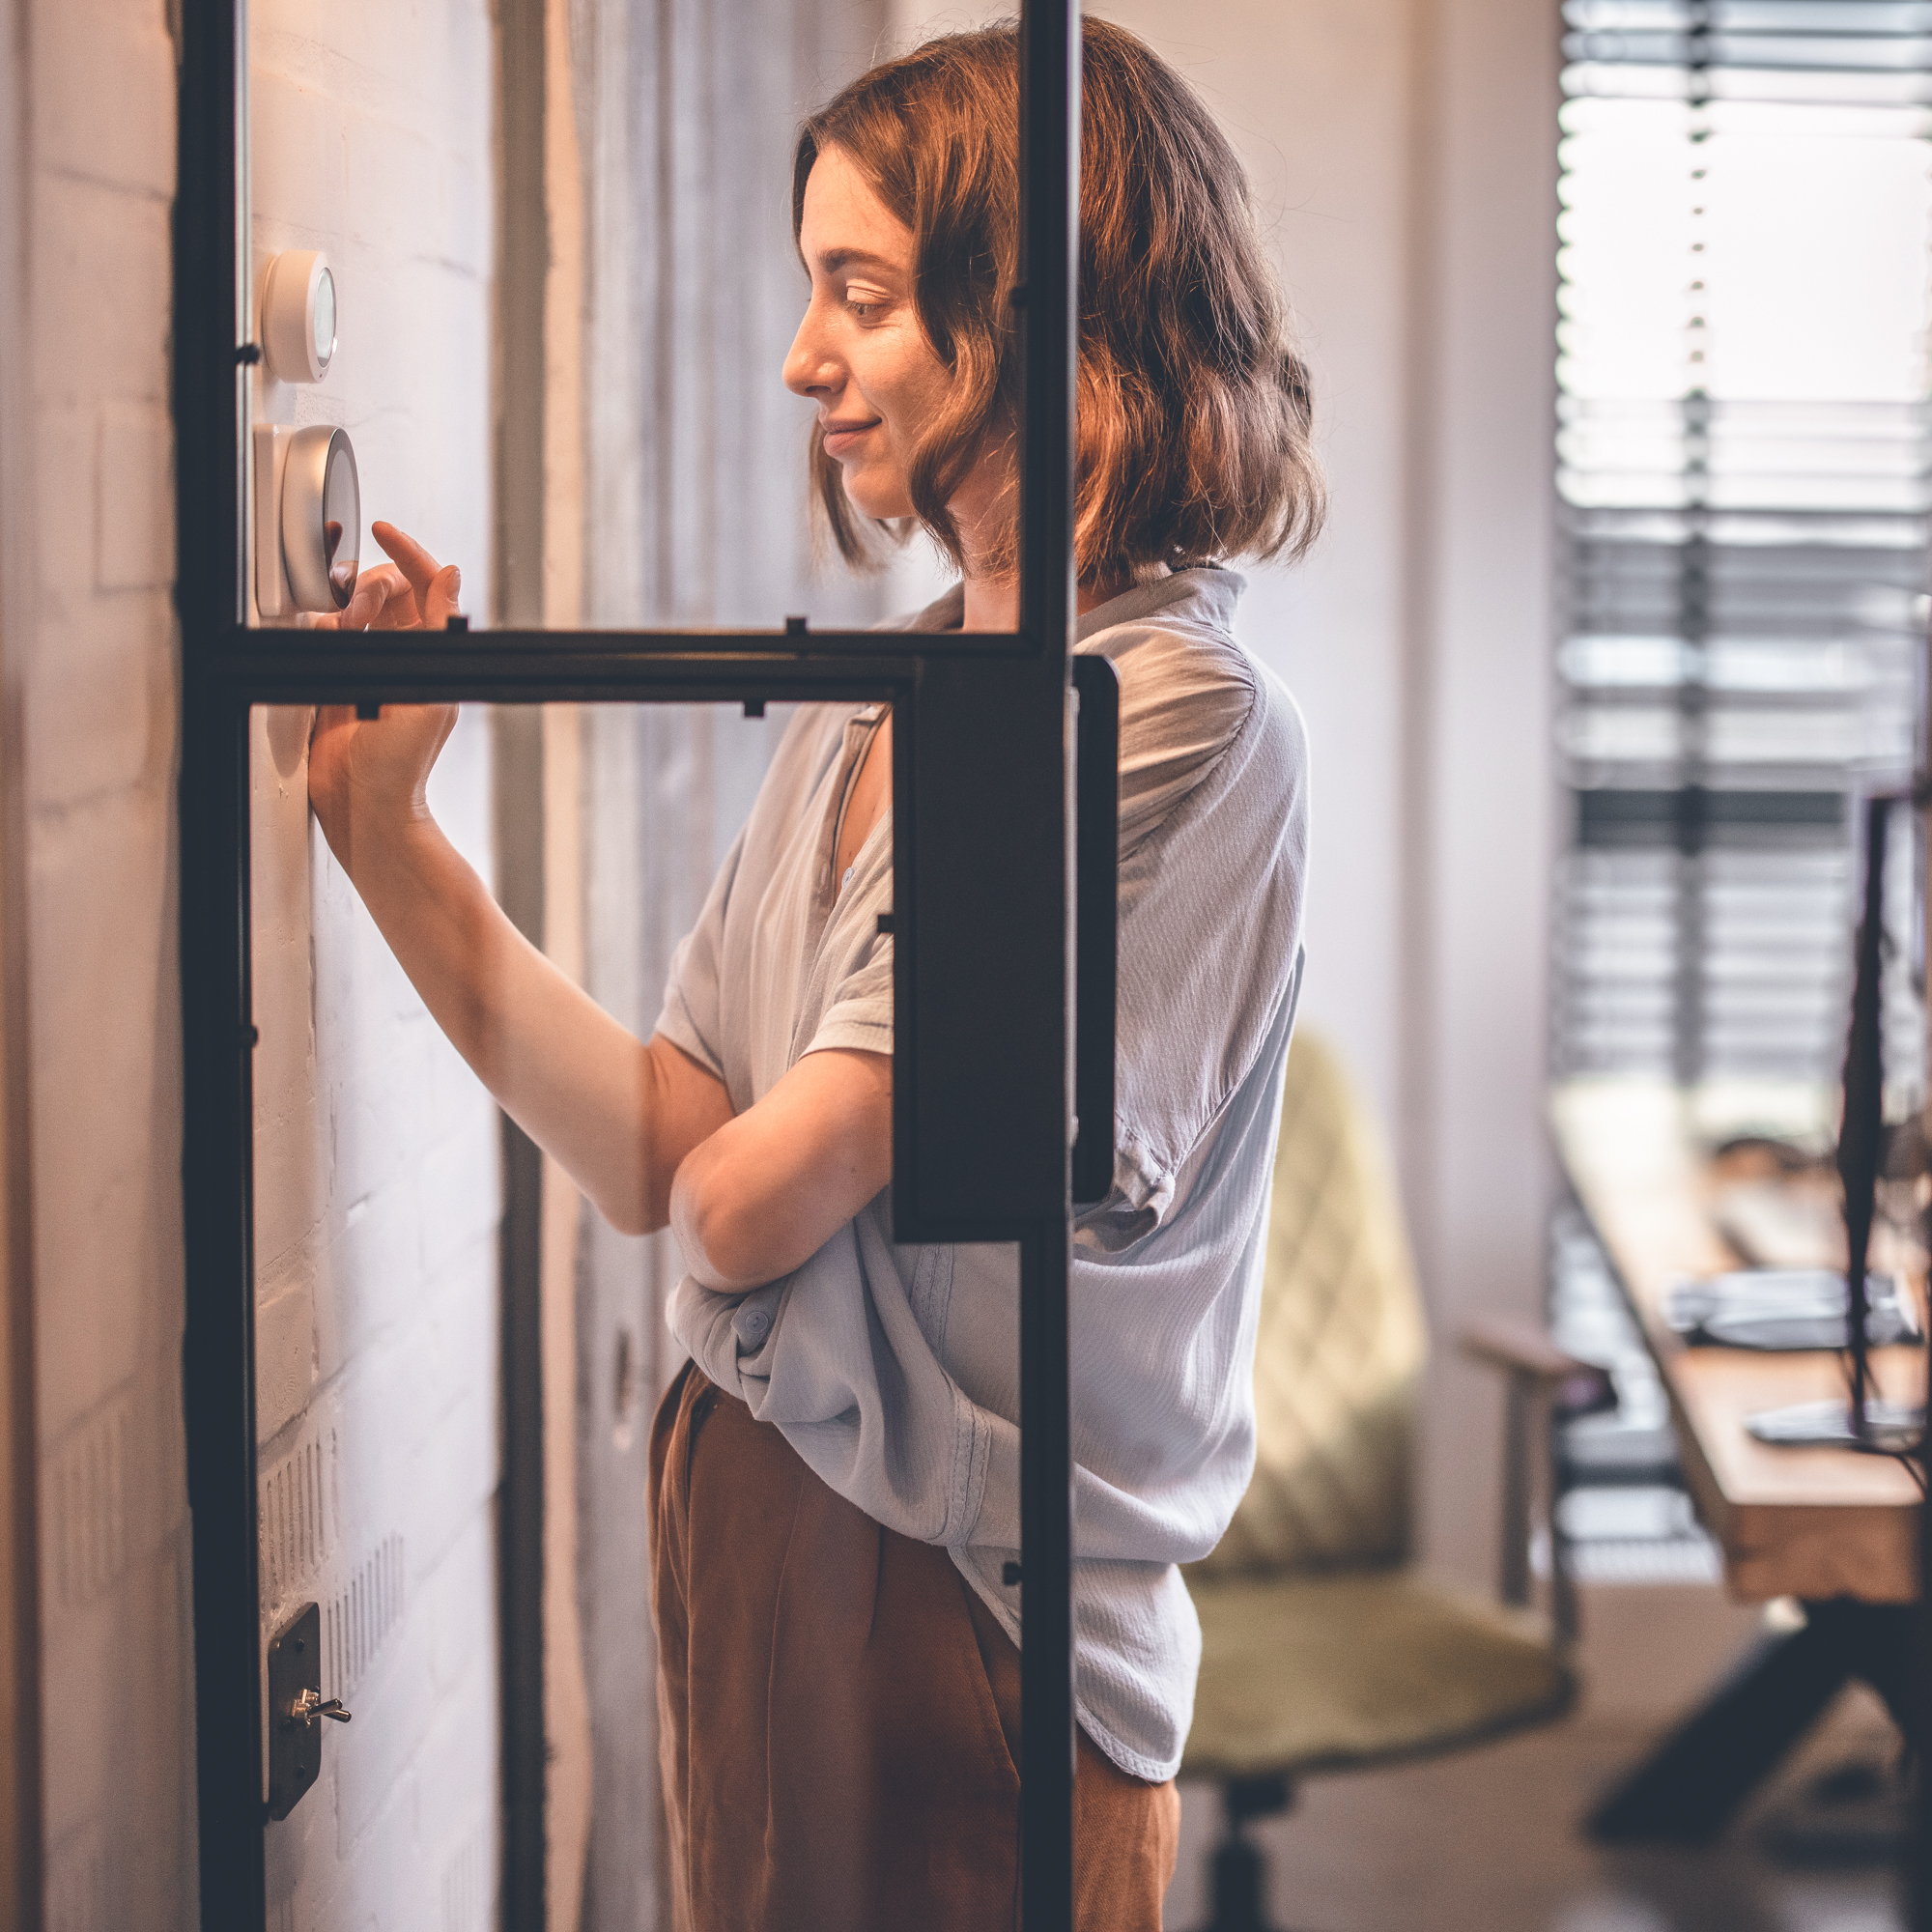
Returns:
(295, 1680)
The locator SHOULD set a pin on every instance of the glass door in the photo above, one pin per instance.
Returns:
(367, 1247)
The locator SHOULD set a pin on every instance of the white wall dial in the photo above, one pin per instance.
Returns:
(298, 316)
(308, 520)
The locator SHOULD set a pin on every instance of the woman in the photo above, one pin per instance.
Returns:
(833, 1486)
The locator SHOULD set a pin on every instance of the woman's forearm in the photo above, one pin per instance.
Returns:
(760, 1195)
(618, 1113)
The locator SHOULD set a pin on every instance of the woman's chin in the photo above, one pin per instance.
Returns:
(877, 499)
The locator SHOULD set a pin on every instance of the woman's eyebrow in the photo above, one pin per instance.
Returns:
(835, 259)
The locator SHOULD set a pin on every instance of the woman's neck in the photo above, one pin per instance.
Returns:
(982, 499)
(993, 603)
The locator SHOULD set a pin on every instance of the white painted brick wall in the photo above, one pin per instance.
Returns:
(377, 1195)
(379, 1163)
(105, 1057)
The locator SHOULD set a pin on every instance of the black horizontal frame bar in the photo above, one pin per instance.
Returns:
(561, 679)
(539, 667)
(644, 645)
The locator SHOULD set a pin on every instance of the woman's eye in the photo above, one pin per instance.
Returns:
(865, 304)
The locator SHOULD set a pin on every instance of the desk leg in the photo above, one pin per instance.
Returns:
(1884, 1642)
(1690, 1787)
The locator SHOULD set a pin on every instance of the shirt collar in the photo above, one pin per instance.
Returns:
(1205, 592)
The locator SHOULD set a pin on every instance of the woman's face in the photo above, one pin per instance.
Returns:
(860, 353)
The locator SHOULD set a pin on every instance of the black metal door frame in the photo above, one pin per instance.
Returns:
(985, 1085)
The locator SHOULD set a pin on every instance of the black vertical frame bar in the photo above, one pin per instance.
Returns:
(1861, 1135)
(1046, 1549)
(517, 753)
(1050, 163)
(518, 483)
(218, 1341)
(522, 262)
(1049, 240)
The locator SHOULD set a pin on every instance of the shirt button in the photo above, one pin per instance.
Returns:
(752, 1324)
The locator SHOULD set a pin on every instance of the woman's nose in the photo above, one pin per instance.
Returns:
(808, 370)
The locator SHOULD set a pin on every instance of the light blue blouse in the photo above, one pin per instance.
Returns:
(894, 1371)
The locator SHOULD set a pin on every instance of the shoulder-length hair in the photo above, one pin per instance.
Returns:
(1192, 405)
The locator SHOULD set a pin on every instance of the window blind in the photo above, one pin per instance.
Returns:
(1745, 254)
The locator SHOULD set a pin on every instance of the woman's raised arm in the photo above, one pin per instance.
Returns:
(620, 1114)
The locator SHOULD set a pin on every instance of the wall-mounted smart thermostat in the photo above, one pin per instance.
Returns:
(308, 519)
(298, 316)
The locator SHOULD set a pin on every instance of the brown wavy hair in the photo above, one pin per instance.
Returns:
(1192, 405)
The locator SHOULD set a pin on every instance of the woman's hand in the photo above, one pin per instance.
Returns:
(369, 780)
(411, 594)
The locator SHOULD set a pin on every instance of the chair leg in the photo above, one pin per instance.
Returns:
(1240, 1873)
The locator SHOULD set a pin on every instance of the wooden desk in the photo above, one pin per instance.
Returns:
(1814, 1524)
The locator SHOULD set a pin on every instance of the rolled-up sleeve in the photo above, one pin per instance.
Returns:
(861, 1013)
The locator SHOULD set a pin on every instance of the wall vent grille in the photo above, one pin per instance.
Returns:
(296, 1518)
(470, 1884)
(361, 1615)
(88, 1487)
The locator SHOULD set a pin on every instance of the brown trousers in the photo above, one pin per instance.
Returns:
(839, 1713)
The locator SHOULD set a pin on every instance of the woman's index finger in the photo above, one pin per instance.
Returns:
(415, 562)
(373, 587)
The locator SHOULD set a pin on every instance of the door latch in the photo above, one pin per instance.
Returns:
(297, 1709)
(308, 1707)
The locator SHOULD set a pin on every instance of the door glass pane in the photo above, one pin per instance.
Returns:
(378, 1210)
(826, 1664)
(525, 283)
(561, 365)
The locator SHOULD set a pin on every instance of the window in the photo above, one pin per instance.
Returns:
(1743, 484)
(1742, 466)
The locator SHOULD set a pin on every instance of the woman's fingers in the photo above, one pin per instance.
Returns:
(415, 564)
(402, 595)
(374, 590)
(439, 606)
(415, 561)
(401, 609)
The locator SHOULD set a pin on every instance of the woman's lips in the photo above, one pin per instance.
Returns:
(839, 437)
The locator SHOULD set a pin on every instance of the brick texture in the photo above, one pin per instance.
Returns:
(377, 1187)
(105, 1054)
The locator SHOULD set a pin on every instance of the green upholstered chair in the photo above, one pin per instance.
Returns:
(1323, 1651)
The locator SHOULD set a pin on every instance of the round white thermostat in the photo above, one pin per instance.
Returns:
(298, 316)
(322, 517)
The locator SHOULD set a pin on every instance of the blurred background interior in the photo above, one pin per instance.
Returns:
(1618, 311)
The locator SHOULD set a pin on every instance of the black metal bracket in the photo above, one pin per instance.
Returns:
(295, 1742)
(1096, 838)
